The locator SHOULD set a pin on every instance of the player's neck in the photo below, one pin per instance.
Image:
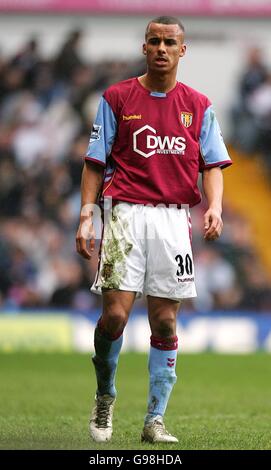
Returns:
(161, 84)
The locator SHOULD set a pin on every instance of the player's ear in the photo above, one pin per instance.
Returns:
(182, 50)
(144, 49)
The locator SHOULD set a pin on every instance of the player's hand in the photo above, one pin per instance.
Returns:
(85, 238)
(212, 224)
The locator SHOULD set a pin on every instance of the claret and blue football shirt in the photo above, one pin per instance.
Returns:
(153, 145)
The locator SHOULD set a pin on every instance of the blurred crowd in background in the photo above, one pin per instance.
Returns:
(46, 112)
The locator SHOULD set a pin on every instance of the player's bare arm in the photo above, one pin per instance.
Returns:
(212, 180)
(91, 183)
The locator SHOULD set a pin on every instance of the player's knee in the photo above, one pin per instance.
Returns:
(165, 326)
(114, 319)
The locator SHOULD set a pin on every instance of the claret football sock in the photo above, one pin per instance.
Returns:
(162, 363)
(105, 360)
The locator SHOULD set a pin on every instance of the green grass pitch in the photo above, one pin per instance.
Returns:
(219, 402)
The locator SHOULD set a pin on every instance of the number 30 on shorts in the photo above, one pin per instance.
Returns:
(184, 264)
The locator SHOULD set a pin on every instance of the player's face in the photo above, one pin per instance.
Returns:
(164, 46)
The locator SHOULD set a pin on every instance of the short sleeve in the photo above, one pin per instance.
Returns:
(212, 147)
(102, 135)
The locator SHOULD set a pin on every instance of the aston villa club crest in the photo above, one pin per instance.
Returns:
(187, 119)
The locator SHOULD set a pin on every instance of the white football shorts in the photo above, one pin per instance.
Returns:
(147, 250)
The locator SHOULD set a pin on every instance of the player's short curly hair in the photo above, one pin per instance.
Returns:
(165, 20)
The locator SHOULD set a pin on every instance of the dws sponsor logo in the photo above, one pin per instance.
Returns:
(150, 143)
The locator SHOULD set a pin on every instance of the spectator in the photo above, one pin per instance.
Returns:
(259, 106)
(243, 132)
(68, 58)
(216, 282)
(28, 60)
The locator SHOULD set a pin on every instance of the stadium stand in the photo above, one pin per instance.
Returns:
(46, 111)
